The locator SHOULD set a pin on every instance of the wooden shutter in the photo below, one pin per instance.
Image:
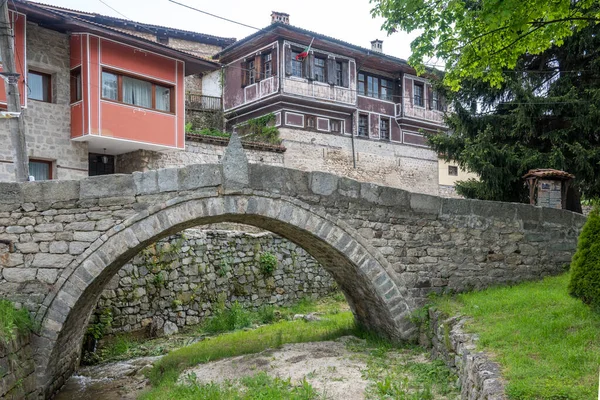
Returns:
(258, 68)
(345, 82)
(409, 90)
(244, 68)
(308, 66)
(274, 64)
(429, 96)
(288, 61)
(331, 71)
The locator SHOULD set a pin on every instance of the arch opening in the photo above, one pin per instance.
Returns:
(375, 299)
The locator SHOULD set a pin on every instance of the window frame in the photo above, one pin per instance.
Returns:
(452, 170)
(119, 100)
(339, 73)
(311, 122)
(333, 123)
(436, 101)
(48, 84)
(76, 85)
(381, 130)
(366, 118)
(322, 68)
(251, 71)
(421, 86)
(267, 60)
(47, 162)
(371, 82)
(296, 63)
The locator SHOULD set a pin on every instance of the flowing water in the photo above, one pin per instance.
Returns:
(122, 380)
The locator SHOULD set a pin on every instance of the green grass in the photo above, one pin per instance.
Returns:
(13, 320)
(547, 343)
(260, 386)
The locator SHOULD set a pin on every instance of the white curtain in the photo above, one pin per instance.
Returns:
(40, 171)
(163, 98)
(109, 86)
(137, 92)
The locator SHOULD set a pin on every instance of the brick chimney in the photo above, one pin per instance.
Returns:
(376, 45)
(280, 17)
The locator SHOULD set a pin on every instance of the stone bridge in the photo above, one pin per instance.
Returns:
(62, 241)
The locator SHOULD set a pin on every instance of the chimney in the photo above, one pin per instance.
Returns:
(280, 17)
(376, 45)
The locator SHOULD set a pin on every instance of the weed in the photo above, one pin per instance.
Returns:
(13, 320)
(268, 263)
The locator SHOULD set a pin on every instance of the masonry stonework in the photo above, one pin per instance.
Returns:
(48, 125)
(386, 248)
(397, 165)
(17, 369)
(196, 152)
(183, 277)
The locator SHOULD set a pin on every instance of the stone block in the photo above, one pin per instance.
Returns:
(53, 190)
(167, 179)
(11, 192)
(86, 236)
(107, 186)
(198, 176)
(42, 260)
(59, 247)
(323, 184)
(456, 206)
(557, 217)
(423, 203)
(146, 182)
(19, 275)
(47, 275)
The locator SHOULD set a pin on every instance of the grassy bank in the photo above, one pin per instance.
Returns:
(547, 342)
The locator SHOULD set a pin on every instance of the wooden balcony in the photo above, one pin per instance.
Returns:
(194, 101)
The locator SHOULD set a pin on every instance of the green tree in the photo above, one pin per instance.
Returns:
(585, 267)
(544, 114)
(480, 39)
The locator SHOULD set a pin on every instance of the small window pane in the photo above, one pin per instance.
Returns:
(109, 86)
(137, 92)
(40, 170)
(452, 170)
(76, 86)
(39, 86)
(338, 74)
(363, 125)
(296, 65)
(320, 69)
(419, 99)
(163, 98)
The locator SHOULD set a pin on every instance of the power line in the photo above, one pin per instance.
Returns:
(213, 15)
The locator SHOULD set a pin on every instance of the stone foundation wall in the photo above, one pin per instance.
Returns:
(196, 152)
(480, 378)
(391, 164)
(17, 378)
(182, 278)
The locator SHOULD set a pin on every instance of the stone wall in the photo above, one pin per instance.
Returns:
(397, 165)
(182, 278)
(17, 377)
(480, 378)
(196, 152)
(48, 125)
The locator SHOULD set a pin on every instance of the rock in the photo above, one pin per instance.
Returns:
(311, 317)
(298, 316)
(156, 327)
(170, 328)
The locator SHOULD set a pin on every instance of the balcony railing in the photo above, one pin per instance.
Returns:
(201, 102)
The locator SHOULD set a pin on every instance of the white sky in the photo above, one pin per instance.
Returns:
(348, 20)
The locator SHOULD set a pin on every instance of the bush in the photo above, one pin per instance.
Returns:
(585, 266)
(268, 263)
(13, 320)
(225, 320)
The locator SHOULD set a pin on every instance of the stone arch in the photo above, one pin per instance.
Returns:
(377, 299)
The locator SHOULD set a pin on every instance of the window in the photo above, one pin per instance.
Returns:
(387, 89)
(109, 86)
(339, 81)
(296, 65)
(374, 86)
(335, 126)
(76, 85)
(162, 39)
(251, 72)
(268, 65)
(384, 129)
(319, 70)
(361, 84)
(310, 122)
(40, 170)
(137, 92)
(419, 99)
(363, 125)
(436, 103)
(39, 85)
(452, 170)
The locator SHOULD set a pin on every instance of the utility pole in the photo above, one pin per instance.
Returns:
(13, 98)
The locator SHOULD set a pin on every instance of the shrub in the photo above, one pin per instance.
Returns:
(585, 266)
(13, 320)
(268, 263)
(225, 320)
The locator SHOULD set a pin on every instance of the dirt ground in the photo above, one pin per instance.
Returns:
(329, 367)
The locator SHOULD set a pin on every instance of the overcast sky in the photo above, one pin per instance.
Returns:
(348, 20)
